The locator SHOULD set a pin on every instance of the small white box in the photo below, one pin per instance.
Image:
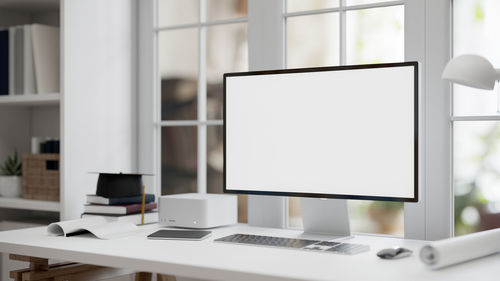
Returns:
(196, 210)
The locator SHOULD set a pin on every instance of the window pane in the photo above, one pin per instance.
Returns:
(178, 55)
(215, 159)
(178, 159)
(176, 12)
(301, 5)
(226, 9)
(313, 40)
(376, 217)
(361, 2)
(294, 213)
(365, 216)
(476, 171)
(215, 162)
(227, 51)
(375, 35)
(475, 31)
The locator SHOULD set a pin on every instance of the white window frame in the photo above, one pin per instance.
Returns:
(428, 25)
(427, 40)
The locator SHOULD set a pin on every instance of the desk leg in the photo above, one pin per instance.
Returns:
(143, 276)
(146, 276)
(35, 265)
(164, 277)
(40, 270)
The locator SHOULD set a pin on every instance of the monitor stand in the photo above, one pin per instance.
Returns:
(328, 217)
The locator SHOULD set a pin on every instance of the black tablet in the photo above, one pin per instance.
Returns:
(180, 234)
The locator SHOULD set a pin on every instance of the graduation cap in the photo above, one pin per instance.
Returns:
(112, 185)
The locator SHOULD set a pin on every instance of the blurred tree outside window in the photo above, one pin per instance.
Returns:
(476, 126)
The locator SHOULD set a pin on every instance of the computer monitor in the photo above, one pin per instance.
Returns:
(345, 132)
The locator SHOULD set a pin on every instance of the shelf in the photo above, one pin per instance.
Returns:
(30, 6)
(27, 204)
(30, 100)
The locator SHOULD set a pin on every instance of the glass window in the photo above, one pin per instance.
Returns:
(476, 175)
(362, 2)
(375, 35)
(211, 48)
(313, 40)
(178, 159)
(175, 12)
(178, 54)
(301, 5)
(226, 9)
(372, 36)
(204, 47)
(476, 140)
(475, 31)
(227, 51)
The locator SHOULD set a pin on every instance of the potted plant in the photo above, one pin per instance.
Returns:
(10, 177)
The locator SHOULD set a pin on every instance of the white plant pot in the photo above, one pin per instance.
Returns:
(11, 186)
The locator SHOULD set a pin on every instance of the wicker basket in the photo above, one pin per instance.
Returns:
(41, 177)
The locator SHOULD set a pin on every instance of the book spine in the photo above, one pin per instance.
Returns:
(12, 60)
(137, 208)
(131, 200)
(19, 61)
(4, 62)
(29, 70)
(93, 199)
(119, 209)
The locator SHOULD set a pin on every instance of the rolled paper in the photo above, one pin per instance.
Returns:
(464, 248)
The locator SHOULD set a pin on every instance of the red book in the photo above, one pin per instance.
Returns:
(118, 209)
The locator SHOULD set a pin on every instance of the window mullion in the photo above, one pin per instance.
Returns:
(202, 103)
(342, 27)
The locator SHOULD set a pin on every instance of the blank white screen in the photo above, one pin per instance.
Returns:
(343, 132)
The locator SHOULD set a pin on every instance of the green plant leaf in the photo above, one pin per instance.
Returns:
(12, 166)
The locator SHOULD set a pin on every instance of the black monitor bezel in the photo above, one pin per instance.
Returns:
(331, 68)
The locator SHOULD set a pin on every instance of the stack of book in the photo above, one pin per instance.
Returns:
(122, 208)
(29, 59)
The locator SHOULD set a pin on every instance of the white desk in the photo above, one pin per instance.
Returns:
(221, 261)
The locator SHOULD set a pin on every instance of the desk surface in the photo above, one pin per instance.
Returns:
(220, 261)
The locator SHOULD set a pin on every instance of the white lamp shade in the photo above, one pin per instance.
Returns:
(471, 70)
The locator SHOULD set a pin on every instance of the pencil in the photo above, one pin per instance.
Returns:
(143, 203)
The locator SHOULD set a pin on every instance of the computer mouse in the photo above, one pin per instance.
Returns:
(394, 253)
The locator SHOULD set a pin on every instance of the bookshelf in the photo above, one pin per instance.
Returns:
(94, 113)
(26, 204)
(23, 116)
(30, 100)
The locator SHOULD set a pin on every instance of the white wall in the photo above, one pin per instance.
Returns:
(14, 125)
(8, 18)
(48, 18)
(98, 116)
(44, 122)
